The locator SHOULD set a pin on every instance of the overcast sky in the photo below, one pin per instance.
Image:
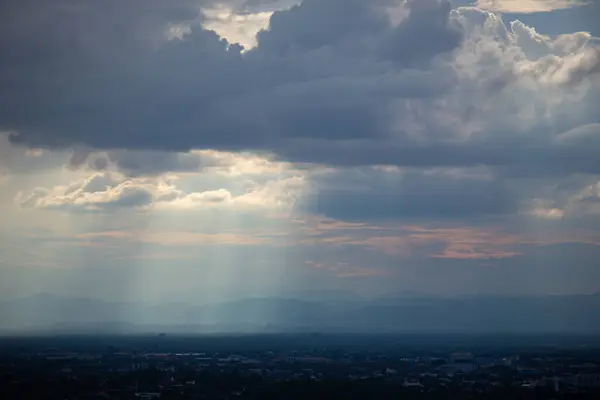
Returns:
(193, 150)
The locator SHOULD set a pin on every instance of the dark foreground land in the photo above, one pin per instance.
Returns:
(310, 366)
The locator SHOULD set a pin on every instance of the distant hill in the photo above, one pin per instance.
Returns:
(559, 314)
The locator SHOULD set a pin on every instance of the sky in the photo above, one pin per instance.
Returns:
(204, 150)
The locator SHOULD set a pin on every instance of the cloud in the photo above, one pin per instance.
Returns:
(528, 6)
(17, 160)
(424, 241)
(481, 119)
(142, 163)
(583, 203)
(108, 192)
(145, 163)
(383, 194)
(98, 192)
(433, 87)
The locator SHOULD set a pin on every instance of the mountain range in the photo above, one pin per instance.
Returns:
(558, 314)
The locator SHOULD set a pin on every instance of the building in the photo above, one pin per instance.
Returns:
(587, 381)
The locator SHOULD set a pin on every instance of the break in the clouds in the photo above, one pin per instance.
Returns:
(415, 132)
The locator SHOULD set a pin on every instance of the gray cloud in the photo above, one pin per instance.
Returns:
(142, 163)
(17, 160)
(368, 194)
(332, 23)
(334, 82)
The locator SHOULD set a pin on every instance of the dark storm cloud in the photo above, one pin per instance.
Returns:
(331, 81)
(98, 79)
(367, 194)
(315, 23)
(443, 34)
(542, 159)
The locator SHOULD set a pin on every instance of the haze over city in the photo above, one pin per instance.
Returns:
(282, 165)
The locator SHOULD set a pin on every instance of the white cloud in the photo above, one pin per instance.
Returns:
(528, 6)
(576, 202)
(545, 210)
(106, 191)
(100, 191)
(236, 27)
(276, 193)
(240, 164)
(219, 197)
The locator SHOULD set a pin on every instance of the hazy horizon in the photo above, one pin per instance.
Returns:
(328, 313)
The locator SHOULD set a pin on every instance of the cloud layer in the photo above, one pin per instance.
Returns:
(410, 83)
